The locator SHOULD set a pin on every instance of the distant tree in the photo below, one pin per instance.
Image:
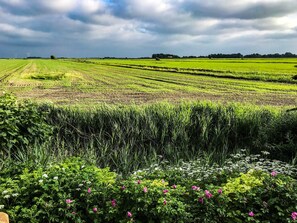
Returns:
(164, 56)
(53, 57)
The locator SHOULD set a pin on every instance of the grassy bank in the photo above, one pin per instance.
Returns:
(127, 138)
(131, 137)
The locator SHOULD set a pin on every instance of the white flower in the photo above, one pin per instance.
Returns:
(45, 175)
(4, 192)
(40, 181)
(89, 182)
(15, 194)
(80, 185)
(1, 207)
(7, 196)
(56, 178)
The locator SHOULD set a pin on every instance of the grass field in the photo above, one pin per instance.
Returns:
(89, 82)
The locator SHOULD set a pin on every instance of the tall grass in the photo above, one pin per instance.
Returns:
(127, 138)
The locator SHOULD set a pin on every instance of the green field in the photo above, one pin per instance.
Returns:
(89, 82)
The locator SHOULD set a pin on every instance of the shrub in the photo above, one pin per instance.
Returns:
(60, 193)
(21, 124)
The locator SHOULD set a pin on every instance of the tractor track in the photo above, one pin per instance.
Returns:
(12, 72)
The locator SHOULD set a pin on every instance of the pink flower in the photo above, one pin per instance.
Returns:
(195, 188)
(123, 187)
(74, 213)
(294, 216)
(208, 195)
(220, 191)
(174, 186)
(113, 202)
(89, 190)
(138, 181)
(200, 200)
(273, 173)
(95, 210)
(251, 214)
(69, 201)
(129, 214)
(145, 189)
(165, 191)
(164, 202)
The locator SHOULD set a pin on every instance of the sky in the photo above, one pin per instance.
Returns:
(139, 28)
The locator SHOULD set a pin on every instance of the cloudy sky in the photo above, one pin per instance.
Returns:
(134, 28)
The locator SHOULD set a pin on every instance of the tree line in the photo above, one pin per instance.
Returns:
(222, 55)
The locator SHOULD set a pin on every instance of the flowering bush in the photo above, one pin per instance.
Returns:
(58, 193)
(75, 191)
(147, 201)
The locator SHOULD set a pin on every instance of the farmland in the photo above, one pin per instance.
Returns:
(90, 82)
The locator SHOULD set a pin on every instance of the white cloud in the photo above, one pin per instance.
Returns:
(90, 6)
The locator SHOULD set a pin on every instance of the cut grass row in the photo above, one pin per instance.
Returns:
(278, 70)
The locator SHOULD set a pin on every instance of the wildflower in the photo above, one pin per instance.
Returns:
(195, 188)
(174, 186)
(220, 191)
(273, 173)
(1, 207)
(4, 192)
(164, 202)
(89, 190)
(69, 201)
(74, 213)
(200, 200)
(40, 181)
(208, 195)
(113, 202)
(15, 194)
(138, 181)
(56, 178)
(294, 216)
(80, 185)
(89, 182)
(45, 175)
(123, 187)
(95, 210)
(251, 214)
(129, 214)
(7, 196)
(145, 189)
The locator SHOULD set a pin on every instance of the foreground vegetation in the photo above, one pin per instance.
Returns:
(127, 138)
(247, 190)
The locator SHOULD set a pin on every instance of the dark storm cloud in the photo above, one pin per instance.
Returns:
(244, 9)
(139, 28)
